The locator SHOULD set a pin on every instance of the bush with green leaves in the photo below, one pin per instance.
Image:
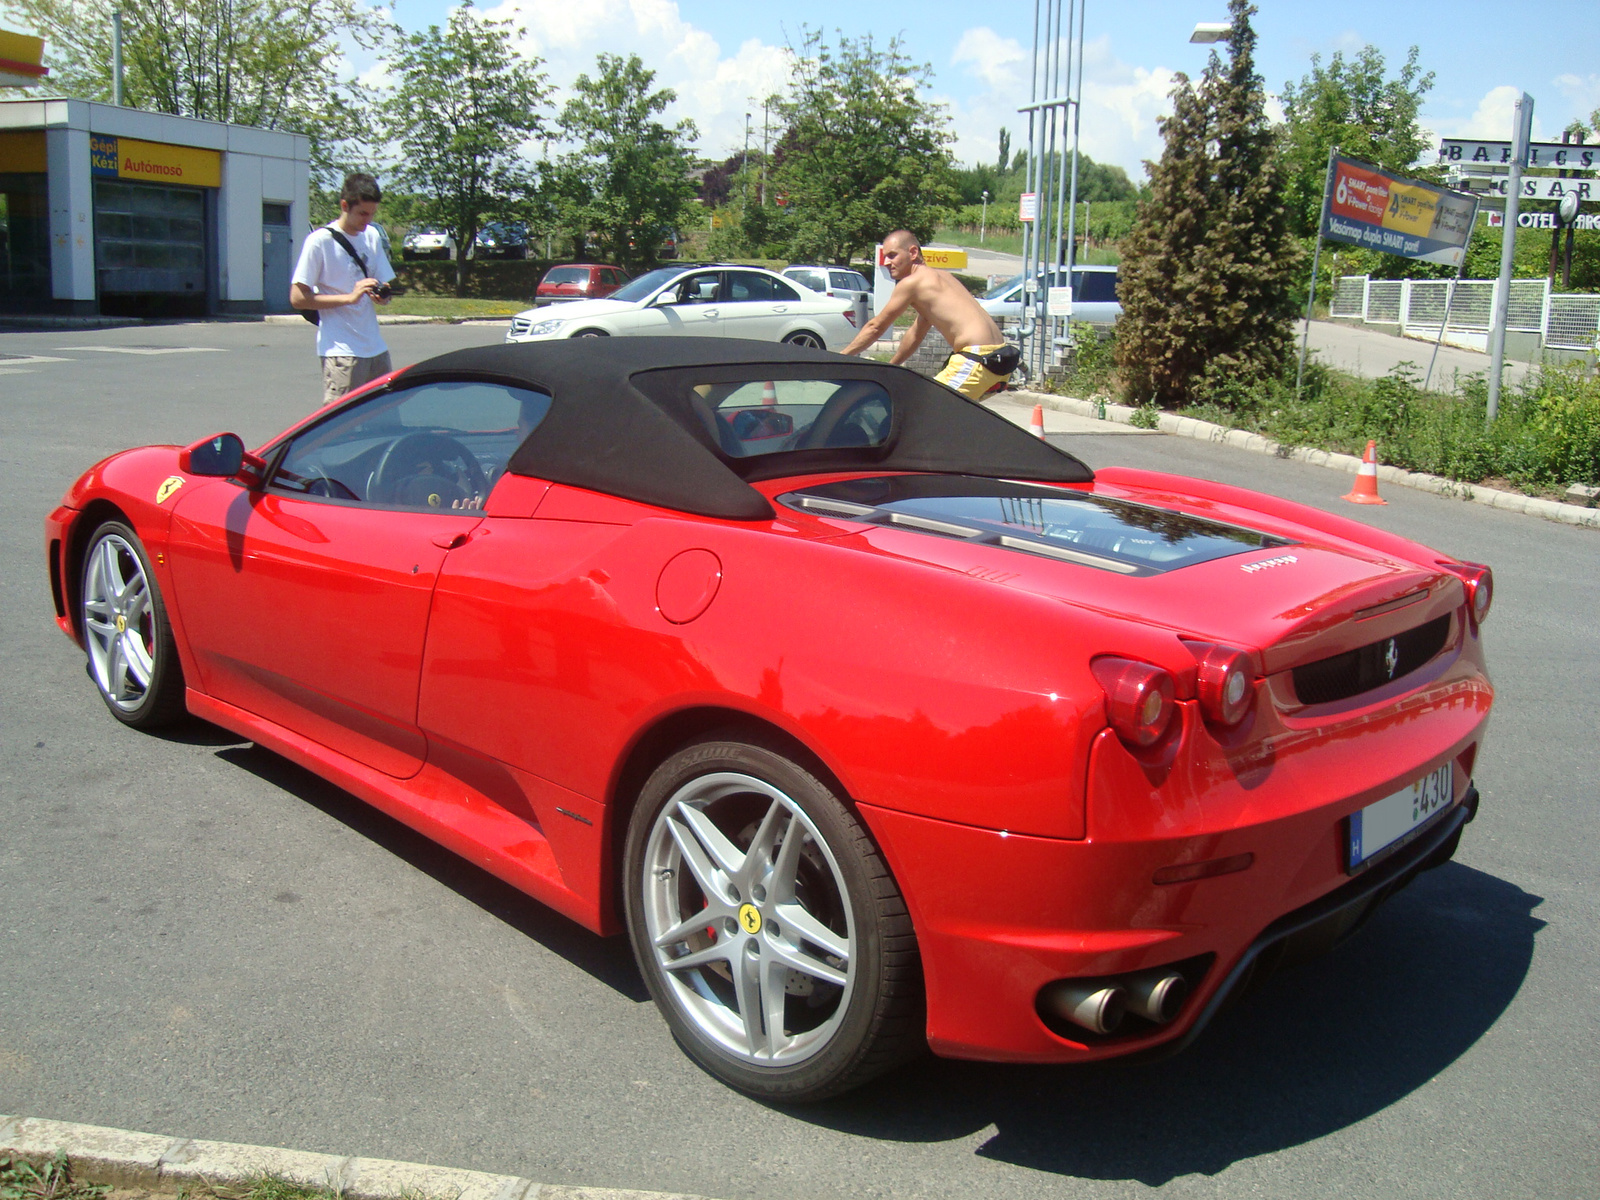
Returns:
(1546, 434)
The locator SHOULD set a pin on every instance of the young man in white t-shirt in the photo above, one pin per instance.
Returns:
(329, 280)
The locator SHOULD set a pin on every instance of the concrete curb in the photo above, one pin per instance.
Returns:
(127, 1159)
(1205, 431)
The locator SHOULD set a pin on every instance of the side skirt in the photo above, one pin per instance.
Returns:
(436, 804)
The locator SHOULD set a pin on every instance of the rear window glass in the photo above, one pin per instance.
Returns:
(1095, 287)
(848, 280)
(757, 417)
(810, 279)
(1093, 531)
(565, 275)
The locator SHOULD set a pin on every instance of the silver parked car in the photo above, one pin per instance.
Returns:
(709, 300)
(839, 282)
(1094, 295)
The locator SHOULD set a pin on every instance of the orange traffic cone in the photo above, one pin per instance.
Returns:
(1036, 425)
(769, 393)
(1366, 488)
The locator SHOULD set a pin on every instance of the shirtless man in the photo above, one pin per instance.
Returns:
(941, 303)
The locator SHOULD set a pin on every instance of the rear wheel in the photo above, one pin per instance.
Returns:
(805, 338)
(767, 926)
(132, 656)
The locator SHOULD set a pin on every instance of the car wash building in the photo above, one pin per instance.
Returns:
(117, 211)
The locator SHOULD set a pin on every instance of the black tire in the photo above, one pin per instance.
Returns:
(591, 333)
(805, 338)
(831, 942)
(133, 658)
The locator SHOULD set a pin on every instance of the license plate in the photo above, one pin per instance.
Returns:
(1380, 825)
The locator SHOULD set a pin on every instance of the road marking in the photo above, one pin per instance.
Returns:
(150, 349)
(20, 360)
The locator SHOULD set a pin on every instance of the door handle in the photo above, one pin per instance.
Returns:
(710, 312)
(450, 541)
(780, 308)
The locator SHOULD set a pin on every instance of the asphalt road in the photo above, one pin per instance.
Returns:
(202, 940)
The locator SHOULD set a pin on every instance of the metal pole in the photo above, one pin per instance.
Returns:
(983, 221)
(1077, 110)
(1450, 299)
(1048, 166)
(1521, 127)
(1305, 334)
(116, 57)
(1030, 230)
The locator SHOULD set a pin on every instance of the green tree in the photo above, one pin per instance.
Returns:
(1208, 268)
(1350, 104)
(864, 152)
(465, 102)
(274, 64)
(628, 180)
(1005, 151)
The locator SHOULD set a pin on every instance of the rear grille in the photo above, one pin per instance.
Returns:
(1361, 670)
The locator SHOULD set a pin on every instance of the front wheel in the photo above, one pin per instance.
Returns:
(132, 656)
(767, 926)
(591, 333)
(804, 338)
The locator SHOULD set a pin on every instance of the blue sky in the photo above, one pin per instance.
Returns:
(719, 54)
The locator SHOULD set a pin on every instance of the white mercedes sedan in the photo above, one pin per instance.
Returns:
(707, 300)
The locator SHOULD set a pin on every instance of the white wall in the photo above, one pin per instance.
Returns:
(71, 214)
(239, 215)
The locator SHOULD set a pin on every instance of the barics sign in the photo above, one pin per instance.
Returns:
(154, 162)
(1367, 206)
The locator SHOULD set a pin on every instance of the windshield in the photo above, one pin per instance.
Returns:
(641, 287)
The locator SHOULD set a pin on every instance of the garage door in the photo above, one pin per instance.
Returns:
(149, 239)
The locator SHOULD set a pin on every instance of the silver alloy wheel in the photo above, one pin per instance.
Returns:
(119, 622)
(744, 904)
(809, 340)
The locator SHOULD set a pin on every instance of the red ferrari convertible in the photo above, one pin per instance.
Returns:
(875, 722)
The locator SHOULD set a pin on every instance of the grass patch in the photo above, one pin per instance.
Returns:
(1545, 436)
(450, 306)
(23, 1180)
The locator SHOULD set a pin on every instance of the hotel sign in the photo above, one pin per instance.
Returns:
(154, 162)
(1540, 154)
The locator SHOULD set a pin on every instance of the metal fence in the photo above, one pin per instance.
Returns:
(1418, 306)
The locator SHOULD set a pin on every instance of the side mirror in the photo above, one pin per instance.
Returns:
(222, 456)
(664, 300)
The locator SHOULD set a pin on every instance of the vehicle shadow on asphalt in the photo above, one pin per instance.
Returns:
(606, 959)
(1316, 1049)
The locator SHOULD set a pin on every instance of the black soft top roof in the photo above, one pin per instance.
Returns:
(622, 420)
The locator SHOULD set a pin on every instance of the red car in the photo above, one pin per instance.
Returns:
(578, 281)
(875, 722)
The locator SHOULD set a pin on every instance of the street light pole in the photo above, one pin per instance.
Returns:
(744, 166)
(983, 223)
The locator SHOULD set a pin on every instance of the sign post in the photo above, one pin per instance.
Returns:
(1316, 256)
(1521, 130)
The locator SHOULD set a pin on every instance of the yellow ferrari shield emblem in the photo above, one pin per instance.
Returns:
(122, 623)
(749, 918)
(168, 486)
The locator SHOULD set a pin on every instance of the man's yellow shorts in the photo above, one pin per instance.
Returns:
(969, 376)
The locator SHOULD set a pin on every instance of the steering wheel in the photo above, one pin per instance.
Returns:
(837, 417)
(417, 468)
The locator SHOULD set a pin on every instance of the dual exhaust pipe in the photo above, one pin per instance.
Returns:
(1156, 995)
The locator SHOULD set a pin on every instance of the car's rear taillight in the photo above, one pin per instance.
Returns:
(1140, 698)
(1225, 682)
(1480, 587)
(850, 315)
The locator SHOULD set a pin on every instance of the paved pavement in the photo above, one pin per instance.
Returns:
(203, 940)
(1371, 354)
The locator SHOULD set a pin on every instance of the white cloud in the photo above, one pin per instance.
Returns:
(1490, 121)
(1121, 103)
(714, 90)
(1583, 91)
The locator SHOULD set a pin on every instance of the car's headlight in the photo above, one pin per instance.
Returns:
(544, 328)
